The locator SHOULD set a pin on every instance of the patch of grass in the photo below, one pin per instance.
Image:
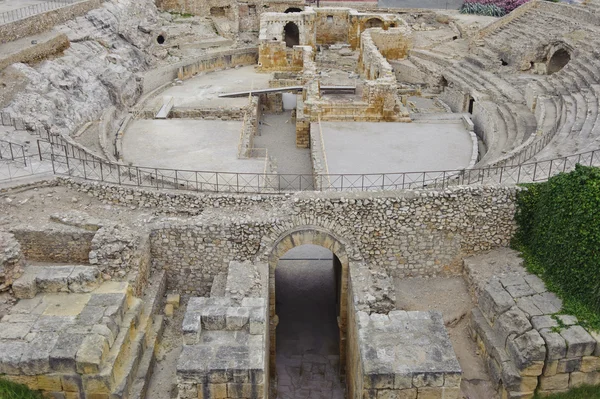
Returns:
(10, 390)
(584, 392)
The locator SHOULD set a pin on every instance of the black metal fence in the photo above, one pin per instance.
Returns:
(69, 160)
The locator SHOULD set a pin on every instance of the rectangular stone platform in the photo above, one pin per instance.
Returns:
(406, 355)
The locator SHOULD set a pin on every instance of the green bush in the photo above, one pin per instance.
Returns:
(10, 390)
(559, 234)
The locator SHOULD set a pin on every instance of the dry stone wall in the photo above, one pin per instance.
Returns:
(409, 233)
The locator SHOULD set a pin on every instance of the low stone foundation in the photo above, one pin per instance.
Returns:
(526, 344)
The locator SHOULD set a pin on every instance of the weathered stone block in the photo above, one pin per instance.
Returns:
(513, 321)
(550, 368)
(49, 382)
(568, 365)
(494, 300)
(15, 330)
(25, 287)
(542, 322)
(10, 356)
(214, 317)
(91, 353)
(556, 382)
(428, 380)
(36, 359)
(547, 302)
(527, 349)
(438, 393)
(589, 364)
(71, 383)
(556, 346)
(174, 300)
(402, 381)
(397, 394)
(191, 328)
(520, 290)
(536, 283)
(378, 381)
(452, 379)
(237, 318)
(257, 321)
(579, 342)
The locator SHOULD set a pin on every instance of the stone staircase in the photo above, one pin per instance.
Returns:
(99, 339)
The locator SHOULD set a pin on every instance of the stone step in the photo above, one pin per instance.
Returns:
(56, 278)
(146, 366)
(123, 355)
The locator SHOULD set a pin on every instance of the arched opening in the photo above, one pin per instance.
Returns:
(291, 34)
(374, 23)
(160, 39)
(293, 9)
(559, 59)
(471, 105)
(307, 289)
(338, 261)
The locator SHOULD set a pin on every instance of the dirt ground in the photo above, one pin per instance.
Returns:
(163, 382)
(451, 297)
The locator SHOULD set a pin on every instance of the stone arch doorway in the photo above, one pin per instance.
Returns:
(292, 10)
(291, 34)
(558, 61)
(314, 236)
(374, 23)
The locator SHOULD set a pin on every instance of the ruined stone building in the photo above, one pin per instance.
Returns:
(270, 199)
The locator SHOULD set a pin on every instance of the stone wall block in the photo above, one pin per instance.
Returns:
(579, 342)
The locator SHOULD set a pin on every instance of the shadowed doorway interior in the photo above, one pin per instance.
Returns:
(307, 291)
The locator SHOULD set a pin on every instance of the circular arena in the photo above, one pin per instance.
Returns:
(280, 199)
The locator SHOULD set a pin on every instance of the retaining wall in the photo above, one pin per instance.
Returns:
(403, 233)
(45, 21)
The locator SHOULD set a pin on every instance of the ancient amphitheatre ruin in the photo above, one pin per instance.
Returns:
(267, 198)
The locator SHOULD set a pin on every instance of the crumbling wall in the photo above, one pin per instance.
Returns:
(359, 22)
(272, 26)
(222, 60)
(394, 43)
(275, 56)
(62, 244)
(12, 261)
(332, 25)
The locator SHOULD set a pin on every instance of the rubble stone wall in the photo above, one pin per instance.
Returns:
(394, 43)
(403, 233)
(332, 25)
(66, 245)
(45, 21)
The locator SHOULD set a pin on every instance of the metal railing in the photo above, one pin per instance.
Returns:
(34, 9)
(71, 161)
(12, 152)
(21, 164)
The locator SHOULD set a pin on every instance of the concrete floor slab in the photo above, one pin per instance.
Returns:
(187, 144)
(203, 91)
(370, 147)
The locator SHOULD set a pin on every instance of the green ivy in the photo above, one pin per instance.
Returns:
(559, 236)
